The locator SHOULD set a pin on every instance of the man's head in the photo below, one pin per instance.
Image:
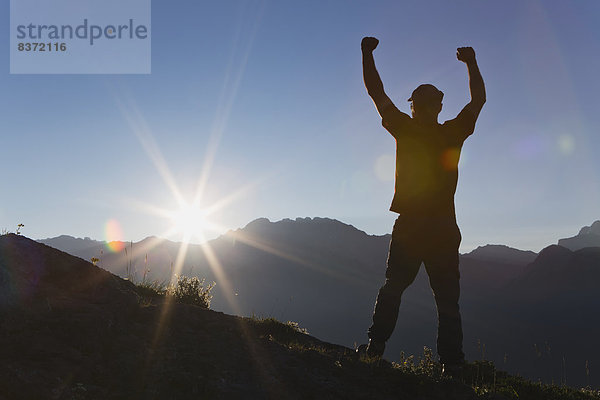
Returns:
(426, 101)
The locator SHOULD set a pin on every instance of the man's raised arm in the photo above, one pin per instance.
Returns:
(476, 86)
(371, 76)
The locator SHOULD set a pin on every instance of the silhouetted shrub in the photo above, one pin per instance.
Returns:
(191, 291)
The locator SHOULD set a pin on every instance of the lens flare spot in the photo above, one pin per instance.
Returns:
(566, 144)
(450, 158)
(385, 167)
(114, 236)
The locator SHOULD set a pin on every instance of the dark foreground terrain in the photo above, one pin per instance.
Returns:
(70, 330)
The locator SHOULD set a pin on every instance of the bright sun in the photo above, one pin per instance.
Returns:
(189, 220)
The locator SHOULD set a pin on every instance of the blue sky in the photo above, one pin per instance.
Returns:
(269, 95)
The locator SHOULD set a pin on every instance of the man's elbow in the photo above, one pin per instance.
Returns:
(481, 95)
(479, 101)
(375, 93)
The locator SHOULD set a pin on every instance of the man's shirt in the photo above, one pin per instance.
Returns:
(426, 161)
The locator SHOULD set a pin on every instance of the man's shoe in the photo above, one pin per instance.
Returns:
(373, 349)
(453, 370)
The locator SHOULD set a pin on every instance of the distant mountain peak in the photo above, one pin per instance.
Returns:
(502, 253)
(260, 224)
(489, 247)
(67, 237)
(588, 236)
(71, 244)
(258, 221)
(593, 229)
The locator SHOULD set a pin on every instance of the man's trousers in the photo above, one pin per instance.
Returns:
(433, 241)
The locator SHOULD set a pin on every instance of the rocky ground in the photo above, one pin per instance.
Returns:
(70, 330)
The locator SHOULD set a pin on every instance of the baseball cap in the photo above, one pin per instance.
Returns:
(427, 91)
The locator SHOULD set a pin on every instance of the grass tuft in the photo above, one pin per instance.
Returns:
(186, 290)
(191, 291)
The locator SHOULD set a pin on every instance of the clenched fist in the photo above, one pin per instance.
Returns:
(369, 43)
(465, 54)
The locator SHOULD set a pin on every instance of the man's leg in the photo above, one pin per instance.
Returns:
(402, 267)
(442, 268)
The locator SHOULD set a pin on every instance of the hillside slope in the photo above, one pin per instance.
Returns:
(71, 330)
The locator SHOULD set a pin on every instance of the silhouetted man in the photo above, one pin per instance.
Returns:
(427, 155)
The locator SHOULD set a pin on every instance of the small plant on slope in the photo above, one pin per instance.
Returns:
(191, 291)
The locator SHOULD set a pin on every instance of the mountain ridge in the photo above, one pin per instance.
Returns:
(262, 222)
